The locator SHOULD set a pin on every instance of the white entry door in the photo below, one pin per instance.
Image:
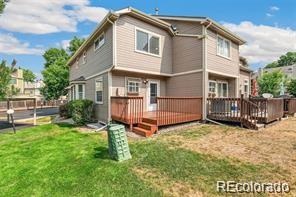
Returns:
(153, 92)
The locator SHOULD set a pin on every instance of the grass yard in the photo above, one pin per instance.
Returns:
(58, 160)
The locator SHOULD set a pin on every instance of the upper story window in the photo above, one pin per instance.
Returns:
(223, 47)
(13, 81)
(133, 86)
(147, 42)
(84, 57)
(100, 41)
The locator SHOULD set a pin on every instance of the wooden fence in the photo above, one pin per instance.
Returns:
(29, 104)
(290, 106)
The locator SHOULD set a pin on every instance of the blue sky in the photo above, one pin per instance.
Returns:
(27, 29)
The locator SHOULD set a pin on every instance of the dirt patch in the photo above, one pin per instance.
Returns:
(166, 185)
(275, 145)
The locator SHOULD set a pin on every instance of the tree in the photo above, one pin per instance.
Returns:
(2, 5)
(292, 87)
(5, 77)
(28, 75)
(75, 43)
(56, 79)
(55, 56)
(271, 83)
(284, 60)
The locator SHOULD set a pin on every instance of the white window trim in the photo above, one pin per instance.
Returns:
(132, 79)
(102, 34)
(77, 91)
(215, 86)
(217, 51)
(84, 57)
(99, 79)
(148, 91)
(247, 82)
(149, 34)
(223, 82)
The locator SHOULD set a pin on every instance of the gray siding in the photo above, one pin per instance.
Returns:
(101, 110)
(119, 86)
(127, 56)
(218, 63)
(97, 61)
(185, 85)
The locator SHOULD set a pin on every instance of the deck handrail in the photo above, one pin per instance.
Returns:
(127, 109)
(172, 110)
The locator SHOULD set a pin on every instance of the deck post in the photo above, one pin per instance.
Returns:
(241, 109)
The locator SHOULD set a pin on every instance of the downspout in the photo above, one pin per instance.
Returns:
(114, 64)
(205, 73)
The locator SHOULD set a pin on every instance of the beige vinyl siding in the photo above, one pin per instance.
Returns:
(187, 54)
(127, 56)
(220, 64)
(185, 85)
(98, 60)
(119, 86)
(101, 110)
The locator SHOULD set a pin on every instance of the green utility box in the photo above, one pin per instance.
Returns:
(117, 142)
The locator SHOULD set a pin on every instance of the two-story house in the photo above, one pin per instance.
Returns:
(131, 53)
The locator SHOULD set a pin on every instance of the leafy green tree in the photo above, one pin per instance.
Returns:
(5, 77)
(55, 56)
(285, 60)
(28, 75)
(56, 79)
(272, 65)
(271, 83)
(2, 5)
(75, 43)
(292, 87)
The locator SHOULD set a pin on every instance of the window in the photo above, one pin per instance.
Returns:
(222, 89)
(13, 81)
(84, 57)
(133, 86)
(100, 41)
(212, 87)
(99, 90)
(80, 91)
(246, 88)
(147, 42)
(223, 47)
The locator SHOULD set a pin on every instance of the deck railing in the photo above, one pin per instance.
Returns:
(269, 109)
(172, 110)
(127, 109)
(224, 108)
(290, 106)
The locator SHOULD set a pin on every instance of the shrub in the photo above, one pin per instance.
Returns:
(292, 87)
(64, 111)
(81, 111)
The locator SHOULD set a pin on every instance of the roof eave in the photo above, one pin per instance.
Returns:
(110, 16)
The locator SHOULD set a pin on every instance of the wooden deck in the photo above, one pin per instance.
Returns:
(249, 112)
(170, 110)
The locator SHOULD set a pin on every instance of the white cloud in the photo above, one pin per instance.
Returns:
(269, 15)
(274, 8)
(11, 45)
(65, 44)
(264, 43)
(48, 16)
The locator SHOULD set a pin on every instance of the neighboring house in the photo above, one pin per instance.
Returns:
(17, 80)
(289, 71)
(32, 89)
(131, 53)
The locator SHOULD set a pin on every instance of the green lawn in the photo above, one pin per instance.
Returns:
(56, 160)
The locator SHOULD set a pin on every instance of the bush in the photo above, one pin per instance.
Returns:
(64, 111)
(292, 87)
(81, 111)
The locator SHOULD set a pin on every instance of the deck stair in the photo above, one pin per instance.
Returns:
(146, 128)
